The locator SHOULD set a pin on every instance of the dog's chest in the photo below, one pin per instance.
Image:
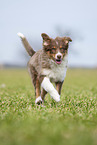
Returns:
(57, 72)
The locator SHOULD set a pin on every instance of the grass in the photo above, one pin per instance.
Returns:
(73, 121)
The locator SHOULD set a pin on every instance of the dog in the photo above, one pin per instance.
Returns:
(47, 66)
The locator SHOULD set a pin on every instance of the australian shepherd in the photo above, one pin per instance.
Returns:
(48, 65)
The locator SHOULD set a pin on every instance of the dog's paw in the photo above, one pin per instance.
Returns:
(57, 99)
(38, 100)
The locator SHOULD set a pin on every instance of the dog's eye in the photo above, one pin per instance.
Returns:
(53, 50)
(62, 49)
(48, 50)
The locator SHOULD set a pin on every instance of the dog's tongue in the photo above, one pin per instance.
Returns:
(58, 61)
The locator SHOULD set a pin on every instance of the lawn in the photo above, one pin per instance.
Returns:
(73, 121)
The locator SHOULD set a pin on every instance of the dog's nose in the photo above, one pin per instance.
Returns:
(59, 56)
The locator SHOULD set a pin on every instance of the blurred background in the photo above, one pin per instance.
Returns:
(74, 18)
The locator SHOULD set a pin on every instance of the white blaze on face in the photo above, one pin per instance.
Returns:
(58, 54)
(56, 42)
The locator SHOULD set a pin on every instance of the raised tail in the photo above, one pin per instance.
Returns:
(29, 49)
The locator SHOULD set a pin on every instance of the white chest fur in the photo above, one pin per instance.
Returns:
(57, 71)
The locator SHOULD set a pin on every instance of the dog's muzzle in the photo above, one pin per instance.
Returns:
(58, 58)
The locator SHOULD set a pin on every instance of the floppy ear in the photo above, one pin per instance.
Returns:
(46, 39)
(67, 39)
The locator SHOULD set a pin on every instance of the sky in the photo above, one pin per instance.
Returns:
(33, 17)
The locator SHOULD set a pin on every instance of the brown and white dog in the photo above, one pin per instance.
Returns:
(48, 65)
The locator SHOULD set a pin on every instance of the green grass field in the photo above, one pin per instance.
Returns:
(73, 121)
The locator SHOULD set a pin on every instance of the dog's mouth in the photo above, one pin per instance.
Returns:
(58, 61)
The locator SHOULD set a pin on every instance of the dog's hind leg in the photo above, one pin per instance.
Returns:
(37, 92)
(43, 93)
(36, 84)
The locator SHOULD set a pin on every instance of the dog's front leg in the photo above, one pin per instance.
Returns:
(59, 87)
(48, 86)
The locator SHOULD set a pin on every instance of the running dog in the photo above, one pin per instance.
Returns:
(48, 65)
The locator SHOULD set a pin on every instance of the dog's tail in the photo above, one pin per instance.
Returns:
(29, 49)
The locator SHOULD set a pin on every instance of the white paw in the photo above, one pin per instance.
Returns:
(57, 99)
(38, 100)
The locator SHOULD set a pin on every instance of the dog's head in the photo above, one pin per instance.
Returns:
(56, 48)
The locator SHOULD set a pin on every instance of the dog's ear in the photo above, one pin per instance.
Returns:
(46, 39)
(67, 39)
